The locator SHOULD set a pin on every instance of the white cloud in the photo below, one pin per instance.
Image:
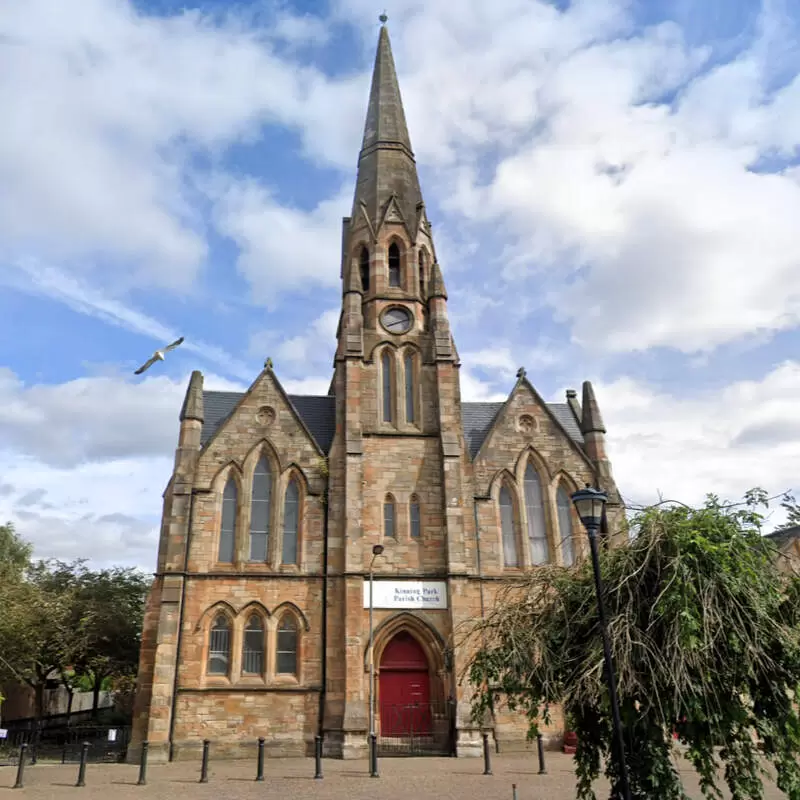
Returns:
(109, 107)
(84, 463)
(281, 249)
(724, 442)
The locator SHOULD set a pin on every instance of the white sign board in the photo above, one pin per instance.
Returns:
(3, 733)
(112, 735)
(406, 594)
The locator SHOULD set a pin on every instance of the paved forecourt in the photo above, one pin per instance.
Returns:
(400, 779)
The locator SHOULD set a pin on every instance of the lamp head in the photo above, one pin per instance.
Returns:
(377, 549)
(589, 503)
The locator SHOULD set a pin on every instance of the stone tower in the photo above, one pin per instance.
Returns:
(258, 620)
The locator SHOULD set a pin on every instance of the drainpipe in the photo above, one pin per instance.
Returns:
(180, 625)
(324, 632)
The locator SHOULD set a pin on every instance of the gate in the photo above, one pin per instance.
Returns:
(417, 729)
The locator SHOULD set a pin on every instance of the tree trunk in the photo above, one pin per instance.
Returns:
(39, 699)
(98, 682)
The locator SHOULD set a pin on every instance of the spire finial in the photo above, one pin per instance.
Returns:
(383, 18)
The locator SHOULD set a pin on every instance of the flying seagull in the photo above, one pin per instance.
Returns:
(158, 356)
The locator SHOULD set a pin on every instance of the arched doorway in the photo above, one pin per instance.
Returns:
(404, 688)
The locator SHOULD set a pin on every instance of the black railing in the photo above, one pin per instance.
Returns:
(416, 729)
(107, 743)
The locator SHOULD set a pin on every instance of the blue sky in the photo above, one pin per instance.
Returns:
(614, 188)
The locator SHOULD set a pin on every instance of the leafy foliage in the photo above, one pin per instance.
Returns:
(705, 635)
(64, 618)
(789, 504)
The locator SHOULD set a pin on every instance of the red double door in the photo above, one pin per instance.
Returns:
(404, 688)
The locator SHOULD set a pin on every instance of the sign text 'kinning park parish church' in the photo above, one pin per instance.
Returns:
(257, 624)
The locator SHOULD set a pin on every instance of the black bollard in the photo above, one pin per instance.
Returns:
(373, 756)
(260, 768)
(143, 765)
(204, 765)
(513, 791)
(487, 755)
(23, 749)
(318, 757)
(540, 748)
(82, 767)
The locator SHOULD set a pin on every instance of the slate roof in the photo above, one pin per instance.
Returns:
(782, 536)
(319, 415)
(317, 412)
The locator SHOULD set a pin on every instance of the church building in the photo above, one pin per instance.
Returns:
(258, 620)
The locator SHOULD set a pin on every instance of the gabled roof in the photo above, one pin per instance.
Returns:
(479, 417)
(783, 535)
(318, 413)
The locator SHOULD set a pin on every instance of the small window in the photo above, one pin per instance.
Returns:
(227, 533)
(291, 517)
(414, 517)
(388, 517)
(565, 527)
(219, 646)
(363, 263)
(508, 527)
(253, 647)
(260, 511)
(386, 382)
(286, 655)
(408, 369)
(394, 265)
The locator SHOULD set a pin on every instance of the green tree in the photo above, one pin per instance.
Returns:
(705, 634)
(110, 613)
(15, 554)
(789, 504)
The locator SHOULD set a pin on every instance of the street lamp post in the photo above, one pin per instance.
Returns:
(589, 504)
(373, 748)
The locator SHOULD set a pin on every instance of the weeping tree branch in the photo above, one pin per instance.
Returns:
(705, 635)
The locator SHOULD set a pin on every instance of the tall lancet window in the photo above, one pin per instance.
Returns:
(394, 264)
(227, 530)
(534, 508)
(565, 527)
(291, 520)
(386, 385)
(408, 370)
(363, 265)
(508, 528)
(260, 510)
(422, 274)
(219, 646)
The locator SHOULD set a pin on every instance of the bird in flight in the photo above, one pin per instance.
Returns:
(158, 356)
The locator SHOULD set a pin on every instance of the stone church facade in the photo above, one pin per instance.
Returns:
(257, 623)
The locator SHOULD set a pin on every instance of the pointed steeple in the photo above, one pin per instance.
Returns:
(193, 401)
(591, 421)
(386, 164)
(437, 282)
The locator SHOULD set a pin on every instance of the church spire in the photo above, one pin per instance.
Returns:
(386, 168)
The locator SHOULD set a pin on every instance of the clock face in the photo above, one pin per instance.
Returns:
(396, 320)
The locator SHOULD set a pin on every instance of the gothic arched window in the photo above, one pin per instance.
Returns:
(389, 521)
(260, 510)
(414, 517)
(227, 530)
(565, 527)
(408, 374)
(534, 509)
(394, 264)
(508, 527)
(253, 646)
(286, 651)
(291, 522)
(386, 385)
(219, 646)
(422, 274)
(363, 265)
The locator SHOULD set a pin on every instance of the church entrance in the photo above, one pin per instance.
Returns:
(412, 722)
